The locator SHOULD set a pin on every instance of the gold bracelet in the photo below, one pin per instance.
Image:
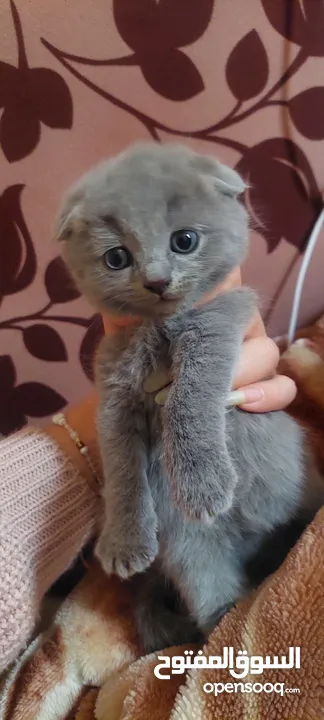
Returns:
(60, 419)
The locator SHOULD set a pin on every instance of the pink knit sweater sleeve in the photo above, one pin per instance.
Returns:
(47, 514)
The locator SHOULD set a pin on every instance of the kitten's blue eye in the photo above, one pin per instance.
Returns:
(184, 241)
(117, 258)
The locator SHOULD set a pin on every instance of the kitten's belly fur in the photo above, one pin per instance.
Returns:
(267, 453)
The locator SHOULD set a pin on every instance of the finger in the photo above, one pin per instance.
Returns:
(256, 327)
(233, 280)
(114, 323)
(109, 323)
(267, 396)
(258, 360)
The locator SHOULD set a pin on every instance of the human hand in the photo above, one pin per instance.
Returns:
(256, 387)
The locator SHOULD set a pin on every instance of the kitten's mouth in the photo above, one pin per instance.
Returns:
(169, 298)
(155, 304)
(169, 302)
(165, 298)
(165, 304)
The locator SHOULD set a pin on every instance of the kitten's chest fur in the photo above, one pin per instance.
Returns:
(152, 355)
(132, 359)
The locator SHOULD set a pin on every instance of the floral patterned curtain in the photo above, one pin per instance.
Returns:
(80, 80)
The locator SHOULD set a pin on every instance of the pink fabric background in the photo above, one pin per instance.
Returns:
(175, 69)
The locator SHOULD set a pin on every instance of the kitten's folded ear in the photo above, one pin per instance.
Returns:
(225, 179)
(70, 217)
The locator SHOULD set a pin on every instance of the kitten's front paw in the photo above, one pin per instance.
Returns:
(207, 493)
(126, 557)
(205, 507)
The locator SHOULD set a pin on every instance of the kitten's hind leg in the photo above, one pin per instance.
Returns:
(211, 580)
(161, 618)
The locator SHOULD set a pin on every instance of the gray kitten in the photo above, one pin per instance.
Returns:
(195, 487)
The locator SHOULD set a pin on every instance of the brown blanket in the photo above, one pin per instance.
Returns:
(88, 666)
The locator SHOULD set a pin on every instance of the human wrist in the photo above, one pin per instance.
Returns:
(82, 419)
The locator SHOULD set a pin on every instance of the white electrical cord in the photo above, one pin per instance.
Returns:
(302, 274)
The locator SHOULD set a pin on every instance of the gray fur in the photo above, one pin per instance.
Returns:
(195, 486)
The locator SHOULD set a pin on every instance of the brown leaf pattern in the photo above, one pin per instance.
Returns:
(148, 26)
(269, 167)
(43, 342)
(169, 52)
(307, 112)
(58, 283)
(27, 399)
(172, 74)
(29, 96)
(247, 67)
(155, 31)
(301, 22)
(89, 344)
(17, 254)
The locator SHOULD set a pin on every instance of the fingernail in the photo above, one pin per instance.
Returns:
(236, 397)
(252, 395)
(248, 396)
(161, 397)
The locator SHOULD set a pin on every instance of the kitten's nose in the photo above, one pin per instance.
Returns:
(157, 286)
